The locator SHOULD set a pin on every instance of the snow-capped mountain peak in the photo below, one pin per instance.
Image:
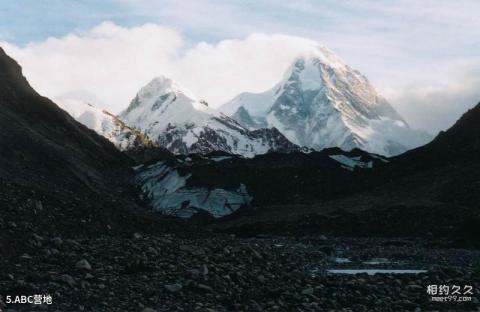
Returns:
(173, 117)
(321, 102)
(163, 89)
(323, 55)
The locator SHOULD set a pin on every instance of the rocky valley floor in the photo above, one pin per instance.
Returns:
(165, 272)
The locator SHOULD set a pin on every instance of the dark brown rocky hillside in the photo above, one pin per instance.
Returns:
(42, 146)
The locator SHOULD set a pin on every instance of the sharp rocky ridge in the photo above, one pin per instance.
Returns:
(105, 124)
(321, 102)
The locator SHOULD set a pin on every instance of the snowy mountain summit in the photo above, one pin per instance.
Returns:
(321, 102)
(174, 118)
(105, 124)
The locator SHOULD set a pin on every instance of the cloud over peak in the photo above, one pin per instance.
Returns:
(113, 62)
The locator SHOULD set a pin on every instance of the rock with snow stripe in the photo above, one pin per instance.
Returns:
(105, 124)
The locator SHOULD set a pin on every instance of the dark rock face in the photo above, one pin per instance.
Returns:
(146, 153)
(42, 145)
(212, 140)
(276, 140)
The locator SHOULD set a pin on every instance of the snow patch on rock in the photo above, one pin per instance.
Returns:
(350, 163)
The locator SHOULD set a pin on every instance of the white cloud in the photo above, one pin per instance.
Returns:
(113, 62)
(108, 61)
(436, 106)
(219, 72)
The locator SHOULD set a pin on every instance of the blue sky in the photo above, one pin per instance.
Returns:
(25, 21)
(422, 55)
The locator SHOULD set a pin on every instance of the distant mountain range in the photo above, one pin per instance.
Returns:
(321, 102)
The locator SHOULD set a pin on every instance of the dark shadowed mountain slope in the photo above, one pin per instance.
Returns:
(42, 146)
(451, 162)
(57, 177)
(459, 143)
